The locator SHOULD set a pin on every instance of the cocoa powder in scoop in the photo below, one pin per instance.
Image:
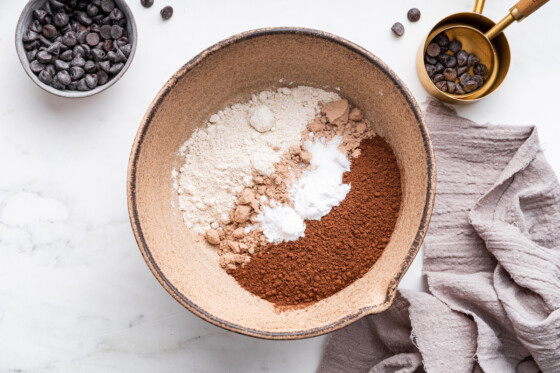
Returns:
(339, 248)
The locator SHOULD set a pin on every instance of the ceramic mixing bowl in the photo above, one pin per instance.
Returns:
(229, 72)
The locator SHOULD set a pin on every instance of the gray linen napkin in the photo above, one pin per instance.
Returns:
(492, 262)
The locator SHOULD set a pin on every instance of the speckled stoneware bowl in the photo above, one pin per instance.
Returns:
(26, 18)
(229, 72)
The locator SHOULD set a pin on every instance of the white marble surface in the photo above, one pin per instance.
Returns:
(75, 294)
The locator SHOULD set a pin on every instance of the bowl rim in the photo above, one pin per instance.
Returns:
(20, 29)
(132, 169)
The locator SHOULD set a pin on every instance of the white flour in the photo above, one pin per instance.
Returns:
(220, 158)
(314, 194)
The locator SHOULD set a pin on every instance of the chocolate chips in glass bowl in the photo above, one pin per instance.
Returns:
(451, 68)
(77, 45)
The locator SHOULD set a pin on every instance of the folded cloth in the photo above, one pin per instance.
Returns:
(491, 260)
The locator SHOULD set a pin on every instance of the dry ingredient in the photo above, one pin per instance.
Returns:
(77, 45)
(339, 248)
(147, 3)
(448, 65)
(413, 14)
(398, 29)
(244, 235)
(237, 144)
(166, 12)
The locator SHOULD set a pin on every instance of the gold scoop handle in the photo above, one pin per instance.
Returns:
(521, 10)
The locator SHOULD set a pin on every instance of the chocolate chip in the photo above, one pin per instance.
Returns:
(463, 79)
(167, 12)
(442, 40)
(472, 60)
(54, 48)
(107, 5)
(90, 67)
(433, 50)
(480, 69)
(40, 15)
(82, 86)
(78, 61)
(91, 81)
(462, 57)
(397, 28)
(104, 65)
(450, 74)
(72, 86)
(61, 19)
(69, 39)
(431, 70)
(45, 77)
(66, 56)
(49, 31)
(459, 89)
(92, 39)
(92, 10)
(126, 49)
(451, 62)
(108, 45)
(430, 60)
(470, 86)
(462, 69)
(455, 46)
(29, 36)
(116, 68)
(116, 14)
(450, 87)
(36, 66)
(439, 68)
(442, 86)
(61, 65)
(31, 54)
(116, 32)
(78, 51)
(98, 54)
(44, 57)
(56, 84)
(102, 77)
(51, 69)
(83, 18)
(44, 41)
(76, 72)
(147, 3)
(413, 15)
(64, 77)
(36, 26)
(57, 5)
(105, 31)
(479, 80)
(438, 78)
(32, 45)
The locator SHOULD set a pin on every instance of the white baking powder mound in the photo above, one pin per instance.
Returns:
(220, 157)
(313, 195)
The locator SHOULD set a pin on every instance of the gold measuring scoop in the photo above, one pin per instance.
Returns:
(481, 36)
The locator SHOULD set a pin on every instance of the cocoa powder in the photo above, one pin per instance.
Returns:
(339, 248)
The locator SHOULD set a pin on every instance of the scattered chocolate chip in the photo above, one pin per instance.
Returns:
(413, 15)
(167, 12)
(147, 3)
(480, 69)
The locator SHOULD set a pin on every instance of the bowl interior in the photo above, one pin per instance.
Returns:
(27, 17)
(230, 72)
